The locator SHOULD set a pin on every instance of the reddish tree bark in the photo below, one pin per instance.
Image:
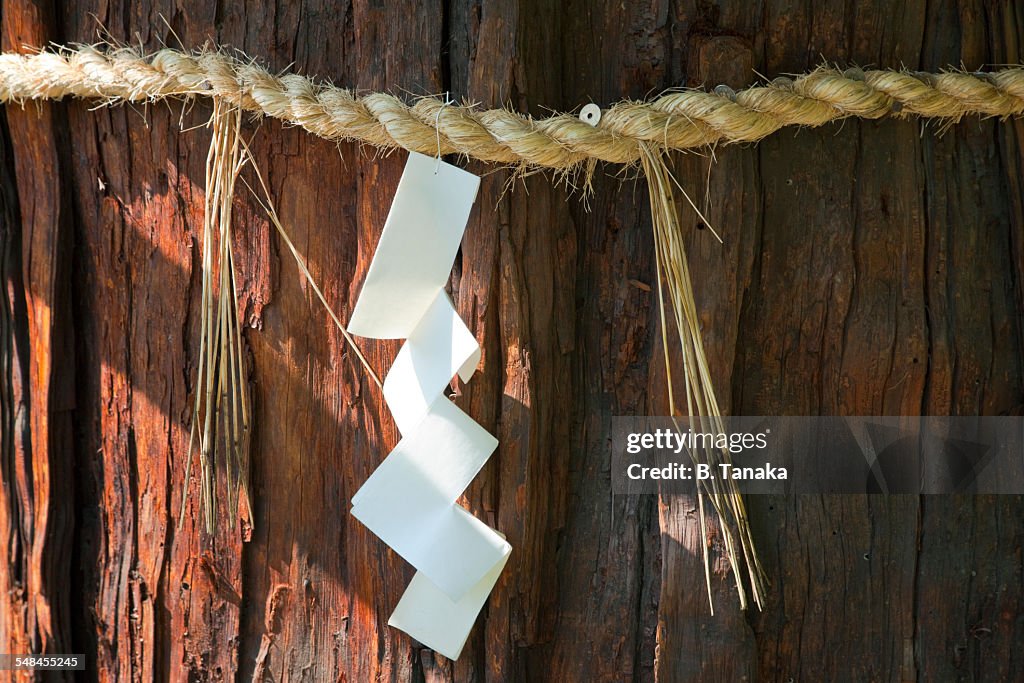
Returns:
(868, 268)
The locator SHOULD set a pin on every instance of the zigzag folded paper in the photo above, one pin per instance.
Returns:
(410, 500)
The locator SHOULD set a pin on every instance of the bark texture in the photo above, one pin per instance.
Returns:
(868, 268)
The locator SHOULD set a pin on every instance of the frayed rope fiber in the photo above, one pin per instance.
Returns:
(682, 119)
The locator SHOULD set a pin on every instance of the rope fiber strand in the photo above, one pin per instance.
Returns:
(683, 119)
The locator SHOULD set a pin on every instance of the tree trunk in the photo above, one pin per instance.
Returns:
(867, 268)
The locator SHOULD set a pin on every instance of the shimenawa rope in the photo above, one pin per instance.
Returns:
(682, 119)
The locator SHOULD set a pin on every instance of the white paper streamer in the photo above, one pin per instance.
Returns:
(410, 500)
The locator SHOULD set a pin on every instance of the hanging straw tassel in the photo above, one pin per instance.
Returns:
(701, 403)
(221, 416)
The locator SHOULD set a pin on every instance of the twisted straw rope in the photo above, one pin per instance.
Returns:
(677, 120)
